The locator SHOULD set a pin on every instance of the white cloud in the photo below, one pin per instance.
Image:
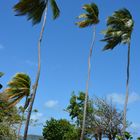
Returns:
(36, 116)
(30, 63)
(51, 103)
(1, 47)
(120, 98)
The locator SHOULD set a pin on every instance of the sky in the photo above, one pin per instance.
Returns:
(64, 54)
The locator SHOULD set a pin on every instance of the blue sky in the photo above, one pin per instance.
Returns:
(65, 50)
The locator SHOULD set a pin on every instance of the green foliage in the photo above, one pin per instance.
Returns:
(76, 107)
(34, 9)
(8, 122)
(120, 27)
(126, 136)
(90, 17)
(18, 88)
(55, 9)
(102, 119)
(59, 130)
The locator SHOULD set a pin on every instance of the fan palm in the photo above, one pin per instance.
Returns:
(120, 27)
(89, 18)
(34, 10)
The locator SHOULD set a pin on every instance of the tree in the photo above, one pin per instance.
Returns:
(17, 89)
(76, 109)
(34, 10)
(103, 119)
(106, 121)
(90, 18)
(120, 27)
(9, 119)
(59, 130)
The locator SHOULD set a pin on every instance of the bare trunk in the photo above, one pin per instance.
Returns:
(18, 134)
(127, 89)
(37, 77)
(87, 84)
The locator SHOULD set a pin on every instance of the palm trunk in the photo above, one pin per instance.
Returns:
(20, 125)
(87, 84)
(37, 76)
(127, 88)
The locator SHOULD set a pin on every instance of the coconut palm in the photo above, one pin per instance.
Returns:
(89, 18)
(34, 10)
(120, 27)
(17, 89)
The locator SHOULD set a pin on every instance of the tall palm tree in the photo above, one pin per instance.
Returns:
(120, 27)
(34, 10)
(89, 18)
(17, 89)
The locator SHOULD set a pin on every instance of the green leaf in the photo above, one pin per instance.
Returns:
(55, 9)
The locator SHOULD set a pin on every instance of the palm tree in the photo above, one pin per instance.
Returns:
(90, 18)
(17, 89)
(120, 27)
(34, 10)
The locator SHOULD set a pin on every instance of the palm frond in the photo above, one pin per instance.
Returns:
(84, 23)
(55, 9)
(119, 29)
(18, 88)
(33, 9)
(90, 17)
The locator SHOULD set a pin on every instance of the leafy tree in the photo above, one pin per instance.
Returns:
(103, 119)
(17, 89)
(34, 10)
(90, 18)
(9, 118)
(76, 109)
(120, 27)
(59, 130)
(107, 121)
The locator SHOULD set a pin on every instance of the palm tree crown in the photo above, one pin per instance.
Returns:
(34, 9)
(120, 26)
(18, 88)
(90, 17)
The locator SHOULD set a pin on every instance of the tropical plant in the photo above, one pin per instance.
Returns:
(17, 89)
(34, 10)
(120, 27)
(9, 120)
(126, 136)
(59, 130)
(90, 18)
